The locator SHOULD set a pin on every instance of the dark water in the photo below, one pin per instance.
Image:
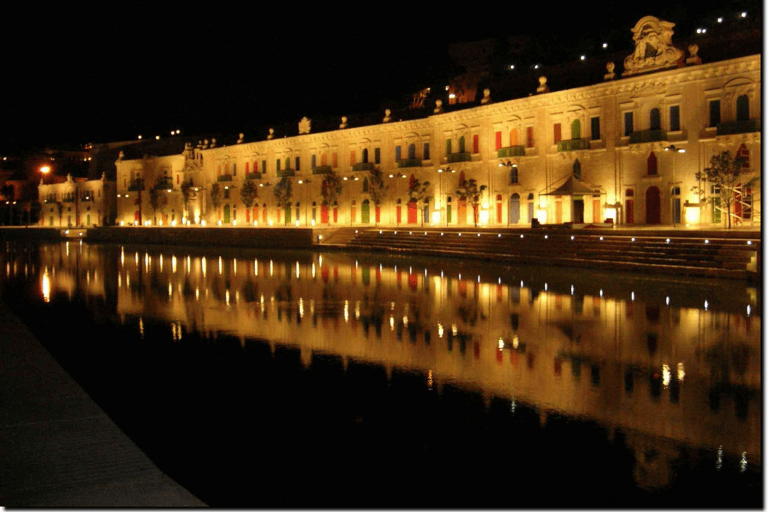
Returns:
(260, 379)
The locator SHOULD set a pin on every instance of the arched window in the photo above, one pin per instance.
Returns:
(462, 144)
(365, 155)
(577, 168)
(576, 129)
(742, 108)
(411, 151)
(653, 167)
(655, 119)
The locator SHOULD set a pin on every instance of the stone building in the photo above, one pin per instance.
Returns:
(77, 202)
(625, 150)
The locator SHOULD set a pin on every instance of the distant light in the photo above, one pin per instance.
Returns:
(157, 137)
(605, 45)
(536, 66)
(511, 66)
(720, 19)
(583, 57)
(139, 137)
(744, 14)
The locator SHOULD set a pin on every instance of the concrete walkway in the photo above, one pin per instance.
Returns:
(58, 448)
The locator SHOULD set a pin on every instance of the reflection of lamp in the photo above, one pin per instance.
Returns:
(675, 150)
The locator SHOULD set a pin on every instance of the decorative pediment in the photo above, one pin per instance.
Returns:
(653, 47)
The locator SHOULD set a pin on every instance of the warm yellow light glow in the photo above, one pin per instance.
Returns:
(45, 169)
(541, 214)
(46, 287)
(610, 213)
(692, 214)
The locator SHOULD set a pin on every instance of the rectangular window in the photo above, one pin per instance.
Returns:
(628, 123)
(448, 146)
(674, 118)
(714, 113)
(558, 133)
(377, 155)
(595, 121)
(498, 141)
(298, 163)
(352, 157)
(314, 161)
(529, 136)
(398, 153)
(234, 169)
(264, 165)
(335, 160)
(475, 144)
(277, 165)
(426, 151)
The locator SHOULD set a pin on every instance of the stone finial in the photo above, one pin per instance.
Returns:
(271, 134)
(542, 88)
(610, 67)
(486, 97)
(343, 122)
(213, 143)
(240, 139)
(305, 126)
(438, 106)
(120, 155)
(387, 115)
(694, 59)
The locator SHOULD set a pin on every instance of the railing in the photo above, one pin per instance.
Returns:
(409, 162)
(163, 184)
(655, 135)
(459, 157)
(253, 176)
(510, 152)
(224, 178)
(136, 185)
(68, 199)
(322, 169)
(286, 173)
(363, 166)
(734, 127)
(572, 145)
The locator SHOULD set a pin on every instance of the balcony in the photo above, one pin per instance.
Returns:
(136, 185)
(253, 176)
(363, 166)
(510, 152)
(655, 135)
(224, 178)
(409, 162)
(68, 199)
(322, 169)
(734, 127)
(163, 183)
(572, 145)
(286, 173)
(459, 157)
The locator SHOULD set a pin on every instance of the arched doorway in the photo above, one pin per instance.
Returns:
(498, 209)
(397, 212)
(461, 212)
(630, 208)
(514, 208)
(652, 206)
(412, 211)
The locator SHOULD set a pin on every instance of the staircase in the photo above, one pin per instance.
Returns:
(703, 254)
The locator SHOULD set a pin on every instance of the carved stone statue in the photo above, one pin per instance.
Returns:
(653, 47)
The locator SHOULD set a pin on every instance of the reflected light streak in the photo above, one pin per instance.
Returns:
(666, 374)
(680, 372)
(46, 287)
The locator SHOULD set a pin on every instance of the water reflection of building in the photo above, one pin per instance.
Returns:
(666, 370)
(686, 373)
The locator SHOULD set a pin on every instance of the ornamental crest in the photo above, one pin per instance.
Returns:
(305, 125)
(653, 47)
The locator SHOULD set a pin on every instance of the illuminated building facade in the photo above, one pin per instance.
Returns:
(623, 151)
(77, 202)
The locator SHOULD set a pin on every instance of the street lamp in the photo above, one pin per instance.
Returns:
(674, 184)
(45, 170)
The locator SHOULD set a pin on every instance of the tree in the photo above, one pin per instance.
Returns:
(330, 189)
(473, 194)
(724, 173)
(186, 194)
(377, 190)
(249, 192)
(419, 192)
(154, 202)
(283, 191)
(216, 197)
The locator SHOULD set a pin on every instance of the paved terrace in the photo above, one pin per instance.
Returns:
(59, 449)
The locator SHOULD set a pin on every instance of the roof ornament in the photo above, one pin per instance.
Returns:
(343, 122)
(486, 97)
(543, 87)
(653, 47)
(305, 126)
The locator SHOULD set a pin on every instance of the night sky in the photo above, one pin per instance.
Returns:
(109, 73)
